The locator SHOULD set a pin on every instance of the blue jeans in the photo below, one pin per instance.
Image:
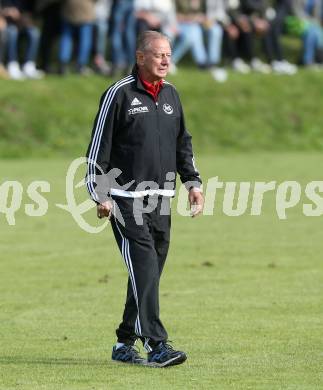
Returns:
(123, 34)
(312, 39)
(101, 26)
(85, 33)
(214, 43)
(190, 38)
(32, 35)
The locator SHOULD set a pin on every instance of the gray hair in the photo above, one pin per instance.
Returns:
(145, 39)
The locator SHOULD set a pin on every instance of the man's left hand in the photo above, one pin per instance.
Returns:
(196, 199)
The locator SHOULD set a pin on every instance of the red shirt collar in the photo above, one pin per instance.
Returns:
(152, 89)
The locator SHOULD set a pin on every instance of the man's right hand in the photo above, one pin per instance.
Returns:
(105, 209)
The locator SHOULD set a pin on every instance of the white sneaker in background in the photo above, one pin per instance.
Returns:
(289, 68)
(219, 74)
(284, 67)
(259, 66)
(277, 67)
(240, 66)
(30, 71)
(14, 71)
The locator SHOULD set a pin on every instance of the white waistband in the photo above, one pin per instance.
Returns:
(141, 194)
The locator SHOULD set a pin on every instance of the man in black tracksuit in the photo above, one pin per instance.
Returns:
(139, 142)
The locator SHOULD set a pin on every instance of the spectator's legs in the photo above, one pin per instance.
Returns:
(118, 55)
(277, 27)
(247, 42)
(246, 45)
(214, 51)
(100, 63)
(283, 8)
(310, 42)
(101, 27)
(214, 44)
(33, 35)
(50, 31)
(130, 33)
(2, 44)
(269, 43)
(190, 37)
(272, 45)
(12, 43)
(85, 44)
(29, 68)
(230, 47)
(231, 42)
(198, 48)
(14, 71)
(3, 72)
(66, 43)
(182, 43)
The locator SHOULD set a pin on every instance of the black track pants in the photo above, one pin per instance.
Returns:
(144, 248)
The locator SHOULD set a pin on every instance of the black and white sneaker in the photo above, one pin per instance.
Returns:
(127, 354)
(164, 355)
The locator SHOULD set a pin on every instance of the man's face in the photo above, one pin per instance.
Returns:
(155, 61)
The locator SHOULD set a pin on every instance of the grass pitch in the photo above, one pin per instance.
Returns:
(241, 295)
(249, 112)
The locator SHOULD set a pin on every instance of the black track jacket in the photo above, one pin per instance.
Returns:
(146, 140)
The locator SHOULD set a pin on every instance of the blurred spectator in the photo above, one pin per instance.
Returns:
(3, 24)
(273, 48)
(310, 12)
(190, 17)
(20, 22)
(102, 14)
(50, 11)
(123, 35)
(78, 19)
(156, 15)
(216, 18)
(252, 22)
(231, 33)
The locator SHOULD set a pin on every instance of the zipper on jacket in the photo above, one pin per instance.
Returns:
(159, 141)
(159, 135)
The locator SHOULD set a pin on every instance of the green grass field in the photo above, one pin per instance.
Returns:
(241, 295)
(252, 112)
